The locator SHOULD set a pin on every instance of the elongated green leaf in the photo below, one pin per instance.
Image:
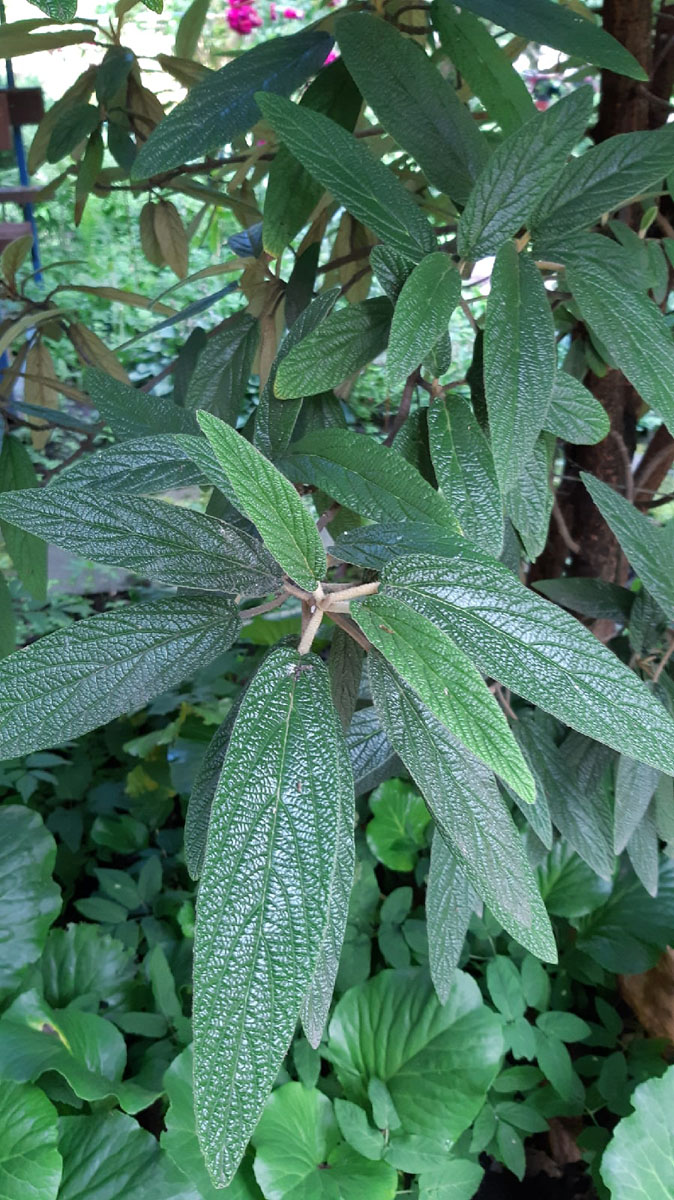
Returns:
(343, 343)
(275, 420)
(220, 378)
(109, 1151)
(201, 797)
(590, 597)
(638, 1163)
(561, 27)
(223, 104)
(30, 1164)
(643, 851)
(366, 188)
(539, 651)
(292, 193)
(376, 545)
(162, 541)
(270, 502)
(414, 103)
(7, 621)
(628, 323)
(448, 683)
(480, 61)
(29, 899)
(520, 362)
(261, 931)
(372, 480)
(346, 669)
(601, 180)
(467, 808)
(450, 901)
(465, 471)
(373, 758)
(519, 173)
(131, 413)
(574, 414)
(635, 786)
(147, 465)
(77, 678)
(28, 553)
(644, 542)
(529, 503)
(425, 304)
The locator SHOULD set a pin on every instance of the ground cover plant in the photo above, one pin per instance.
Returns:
(337, 845)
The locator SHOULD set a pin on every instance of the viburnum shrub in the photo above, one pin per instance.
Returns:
(420, 542)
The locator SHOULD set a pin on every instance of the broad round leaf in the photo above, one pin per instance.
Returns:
(29, 899)
(30, 1164)
(638, 1163)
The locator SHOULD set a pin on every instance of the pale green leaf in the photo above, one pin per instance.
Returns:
(413, 101)
(519, 173)
(223, 105)
(421, 316)
(30, 1164)
(344, 342)
(366, 188)
(456, 1179)
(638, 1163)
(450, 901)
(464, 467)
(261, 931)
(270, 502)
(574, 414)
(86, 675)
(29, 899)
(28, 553)
(537, 650)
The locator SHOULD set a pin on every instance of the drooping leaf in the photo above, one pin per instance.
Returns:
(367, 477)
(421, 316)
(644, 542)
(132, 413)
(529, 504)
(373, 759)
(519, 173)
(450, 901)
(161, 541)
(270, 502)
(346, 668)
(628, 323)
(220, 377)
(366, 188)
(628, 933)
(449, 1054)
(30, 1164)
(375, 545)
(29, 899)
(601, 180)
(78, 678)
(635, 786)
(419, 108)
(487, 70)
(464, 467)
(7, 621)
(534, 648)
(265, 926)
(223, 105)
(28, 553)
(563, 28)
(467, 808)
(638, 1163)
(643, 851)
(574, 414)
(447, 682)
(520, 362)
(344, 342)
(107, 1151)
(300, 1154)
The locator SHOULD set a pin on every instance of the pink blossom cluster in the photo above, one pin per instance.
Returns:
(289, 14)
(243, 17)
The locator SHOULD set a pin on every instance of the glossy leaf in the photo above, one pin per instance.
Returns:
(366, 188)
(450, 901)
(534, 648)
(553, 25)
(519, 173)
(447, 682)
(78, 678)
(644, 542)
(223, 104)
(29, 899)
(520, 362)
(261, 932)
(270, 502)
(638, 1163)
(345, 341)
(574, 414)
(109, 1151)
(448, 1054)
(30, 1164)
(83, 960)
(421, 316)
(419, 108)
(367, 477)
(132, 413)
(464, 467)
(161, 541)
(484, 66)
(398, 830)
(467, 808)
(28, 553)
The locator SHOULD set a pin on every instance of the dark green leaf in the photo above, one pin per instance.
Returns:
(590, 597)
(505, 987)
(465, 471)
(77, 678)
(344, 342)
(366, 188)
(643, 851)
(252, 970)
(519, 173)
(450, 901)
(28, 553)
(555, 1063)
(534, 648)
(628, 933)
(220, 377)
(109, 1151)
(223, 104)
(74, 125)
(30, 1164)
(83, 960)
(270, 502)
(7, 621)
(367, 477)
(201, 797)
(563, 1025)
(113, 72)
(29, 899)
(421, 316)
(144, 465)
(415, 104)
(574, 414)
(376, 545)
(346, 668)
(569, 887)
(373, 759)
(529, 503)
(132, 413)
(635, 786)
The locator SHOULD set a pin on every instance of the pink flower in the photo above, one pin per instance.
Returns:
(242, 17)
(272, 11)
(292, 14)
